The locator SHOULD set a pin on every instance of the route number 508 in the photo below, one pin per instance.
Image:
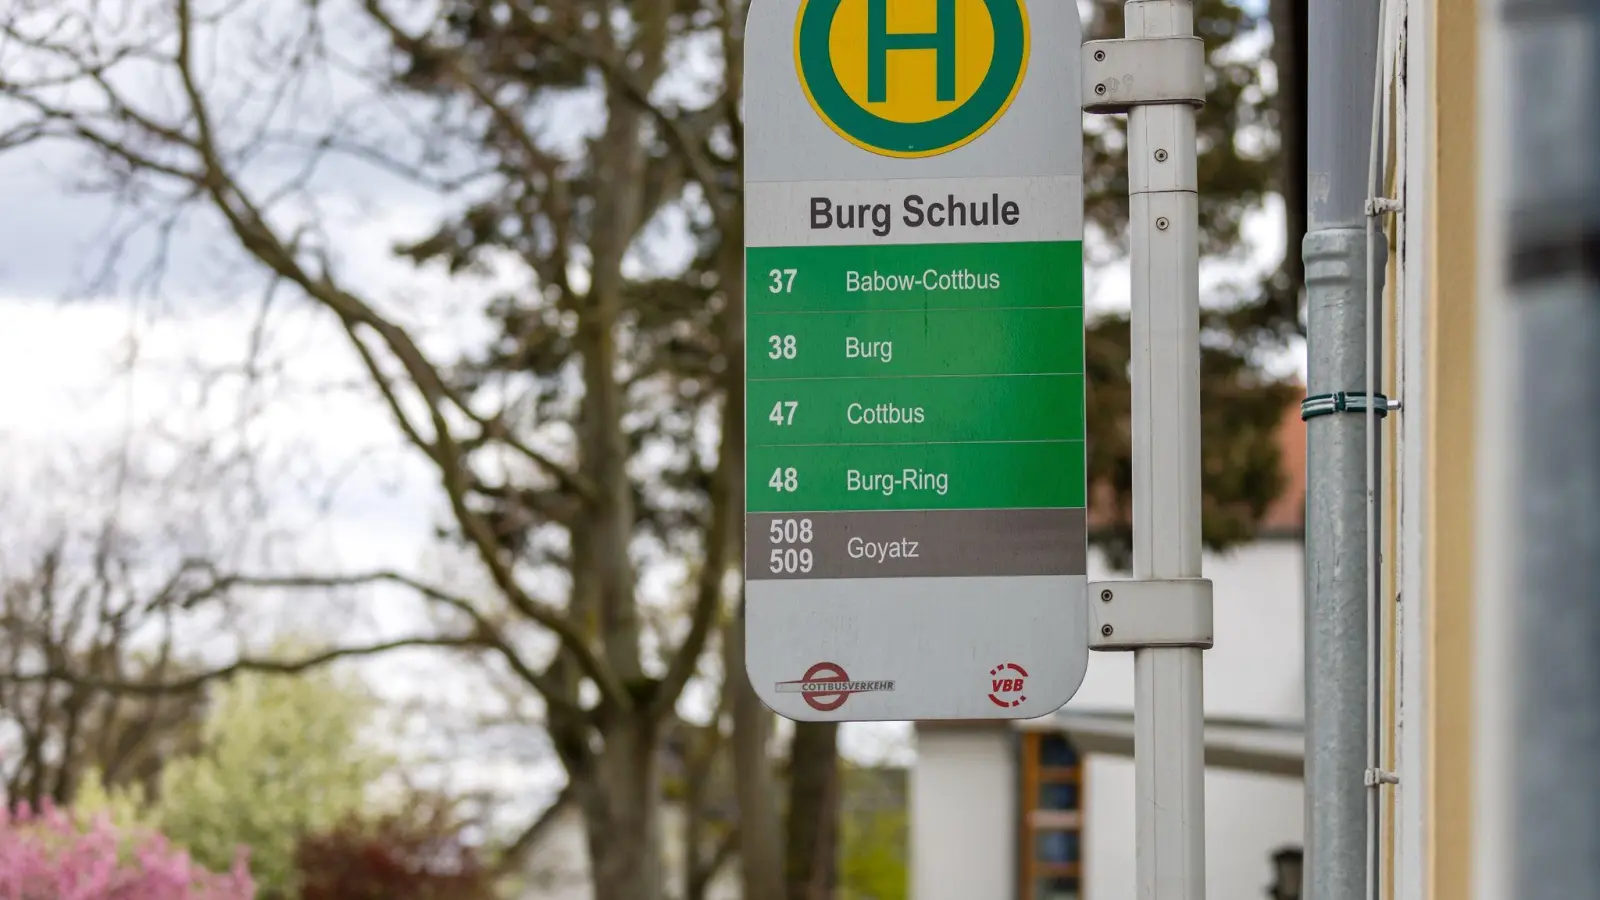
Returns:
(790, 531)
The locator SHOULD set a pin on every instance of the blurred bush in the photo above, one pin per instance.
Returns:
(52, 855)
(418, 854)
(281, 757)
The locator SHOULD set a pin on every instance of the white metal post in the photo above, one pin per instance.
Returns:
(1169, 721)
(1164, 614)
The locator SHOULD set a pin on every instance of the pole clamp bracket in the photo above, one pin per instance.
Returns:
(1378, 206)
(1127, 72)
(1345, 401)
(1130, 615)
(1375, 777)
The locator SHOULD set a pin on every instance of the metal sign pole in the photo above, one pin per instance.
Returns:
(1156, 76)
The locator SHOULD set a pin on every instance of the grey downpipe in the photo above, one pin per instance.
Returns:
(1342, 71)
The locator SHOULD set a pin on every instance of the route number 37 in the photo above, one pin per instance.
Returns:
(782, 281)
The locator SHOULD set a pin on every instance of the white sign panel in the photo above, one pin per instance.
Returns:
(915, 530)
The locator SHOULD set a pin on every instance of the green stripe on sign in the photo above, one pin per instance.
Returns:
(934, 342)
(915, 410)
(913, 276)
(915, 476)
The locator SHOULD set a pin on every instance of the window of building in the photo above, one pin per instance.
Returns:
(1057, 889)
(1052, 818)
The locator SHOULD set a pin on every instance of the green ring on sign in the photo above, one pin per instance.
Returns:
(911, 139)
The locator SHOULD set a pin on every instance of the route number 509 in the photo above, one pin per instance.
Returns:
(785, 562)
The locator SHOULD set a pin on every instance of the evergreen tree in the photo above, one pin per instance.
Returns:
(1240, 159)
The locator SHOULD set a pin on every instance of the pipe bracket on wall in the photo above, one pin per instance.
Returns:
(1345, 401)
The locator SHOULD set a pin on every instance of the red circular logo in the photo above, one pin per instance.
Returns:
(1006, 684)
(824, 701)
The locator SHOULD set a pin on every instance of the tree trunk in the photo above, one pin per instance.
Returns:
(620, 797)
(760, 843)
(813, 811)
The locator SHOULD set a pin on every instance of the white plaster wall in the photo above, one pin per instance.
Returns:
(964, 813)
(558, 866)
(1257, 667)
(1248, 817)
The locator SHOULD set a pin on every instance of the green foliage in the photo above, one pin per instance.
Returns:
(1240, 407)
(1240, 411)
(126, 808)
(282, 758)
(873, 849)
(1235, 132)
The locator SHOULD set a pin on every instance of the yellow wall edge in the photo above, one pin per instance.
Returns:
(1451, 451)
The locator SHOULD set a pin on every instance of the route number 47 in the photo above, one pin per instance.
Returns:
(782, 281)
(783, 412)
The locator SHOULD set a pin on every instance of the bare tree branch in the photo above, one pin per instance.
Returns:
(268, 666)
(486, 631)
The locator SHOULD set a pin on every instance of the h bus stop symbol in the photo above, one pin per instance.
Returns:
(880, 42)
(911, 78)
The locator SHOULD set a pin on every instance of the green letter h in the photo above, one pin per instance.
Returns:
(879, 42)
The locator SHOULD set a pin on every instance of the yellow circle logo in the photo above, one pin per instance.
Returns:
(911, 78)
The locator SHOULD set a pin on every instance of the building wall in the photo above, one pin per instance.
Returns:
(1452, 458)
(963, 813)
(1248, 817)
(558, 866)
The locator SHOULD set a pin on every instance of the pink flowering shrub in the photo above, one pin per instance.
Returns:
(48, 856)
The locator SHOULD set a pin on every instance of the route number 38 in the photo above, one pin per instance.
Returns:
(782, 346)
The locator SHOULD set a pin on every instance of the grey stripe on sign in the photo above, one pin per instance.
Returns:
(952, 543)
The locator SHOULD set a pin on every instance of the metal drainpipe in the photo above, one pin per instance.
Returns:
(1342, 66)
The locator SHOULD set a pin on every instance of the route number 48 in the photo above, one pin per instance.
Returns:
(784, 479)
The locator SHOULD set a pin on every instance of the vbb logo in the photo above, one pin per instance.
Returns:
(1005, 680)
(911, 78)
